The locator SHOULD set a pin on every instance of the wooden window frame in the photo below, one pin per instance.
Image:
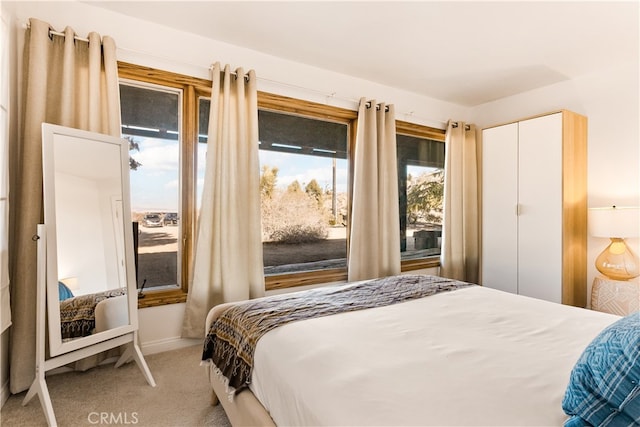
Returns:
(194, 88)
(425, 132)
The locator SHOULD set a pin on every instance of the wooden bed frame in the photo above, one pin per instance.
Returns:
(245, 409)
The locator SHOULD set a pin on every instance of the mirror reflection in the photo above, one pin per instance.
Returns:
(90, 247)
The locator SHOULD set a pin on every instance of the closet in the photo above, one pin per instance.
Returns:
(534, 207)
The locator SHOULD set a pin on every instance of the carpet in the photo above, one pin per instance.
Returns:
(107, 396)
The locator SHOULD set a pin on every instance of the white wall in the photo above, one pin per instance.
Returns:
(609, 99)
(161, 327)
(81, 241)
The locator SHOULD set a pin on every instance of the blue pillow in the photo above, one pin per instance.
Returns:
(64, 292)
(604, 387)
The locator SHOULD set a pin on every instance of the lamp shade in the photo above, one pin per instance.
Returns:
(71, 283)
(614, 221)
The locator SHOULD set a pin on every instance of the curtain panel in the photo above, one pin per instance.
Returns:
(5, 306)
(67, 82)
(228, 263)
(374, 243)
(459, 257)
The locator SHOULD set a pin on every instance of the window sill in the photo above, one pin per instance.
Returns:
(420, 263)
(292, 280)
(156, 298)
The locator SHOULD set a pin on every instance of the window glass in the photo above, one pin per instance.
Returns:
(150, 118)
(303, 186)
(421, 190)
(204, 105)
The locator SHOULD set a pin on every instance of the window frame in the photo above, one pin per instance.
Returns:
(191, 88)
(194, 88)
(424, 132)
(302, 108)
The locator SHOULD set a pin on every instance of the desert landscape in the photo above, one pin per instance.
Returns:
(158, 261)
(158, 246)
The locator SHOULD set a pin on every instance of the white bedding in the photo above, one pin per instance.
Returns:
(470, 357)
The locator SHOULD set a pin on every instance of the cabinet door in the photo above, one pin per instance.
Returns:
(499, 198)
(540, 213)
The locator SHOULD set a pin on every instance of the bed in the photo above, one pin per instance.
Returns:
(77, 314)
(467, 355)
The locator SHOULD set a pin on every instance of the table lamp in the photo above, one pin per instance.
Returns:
(617, 261)
(71, 283)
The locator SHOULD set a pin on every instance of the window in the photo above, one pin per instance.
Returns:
(204, 105)
(159, 117)
(421, 191)
(150, 121)
(165, 116)
(303, 166)
(420, 151)
(304, 181)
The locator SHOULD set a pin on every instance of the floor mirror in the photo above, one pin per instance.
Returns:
(86, 297)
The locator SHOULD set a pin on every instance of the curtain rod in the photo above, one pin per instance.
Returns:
(327, 95)
(386, 107)
(332, 95)
(75, 37)
(58, 33)
(233, 73)
(456, 124)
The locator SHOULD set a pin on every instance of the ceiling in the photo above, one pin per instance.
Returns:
(466, 53)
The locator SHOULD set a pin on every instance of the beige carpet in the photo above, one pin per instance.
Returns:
(104, 395)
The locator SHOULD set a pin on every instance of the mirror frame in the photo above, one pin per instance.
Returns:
(56, 345)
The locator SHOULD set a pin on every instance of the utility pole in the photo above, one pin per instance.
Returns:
(334, 196)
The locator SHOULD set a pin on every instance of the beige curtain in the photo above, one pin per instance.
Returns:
(5, 306)
(460, 242)
(67, 82)
(374, 243)
(228, 262)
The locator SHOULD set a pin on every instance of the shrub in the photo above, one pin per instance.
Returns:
(299, 233)
(293, 217)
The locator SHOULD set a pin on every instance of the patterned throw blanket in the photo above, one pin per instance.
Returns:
(77, 314)
(231, 341)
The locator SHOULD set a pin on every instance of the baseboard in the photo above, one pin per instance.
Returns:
(4, 393)
(167, 344)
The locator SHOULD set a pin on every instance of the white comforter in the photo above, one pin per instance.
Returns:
(471, 357)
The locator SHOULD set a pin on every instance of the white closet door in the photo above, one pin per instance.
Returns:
(540, 199)
(499, 197)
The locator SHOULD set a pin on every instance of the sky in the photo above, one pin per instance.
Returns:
(155, 184)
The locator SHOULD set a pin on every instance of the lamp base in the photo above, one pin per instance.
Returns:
(618, 261)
